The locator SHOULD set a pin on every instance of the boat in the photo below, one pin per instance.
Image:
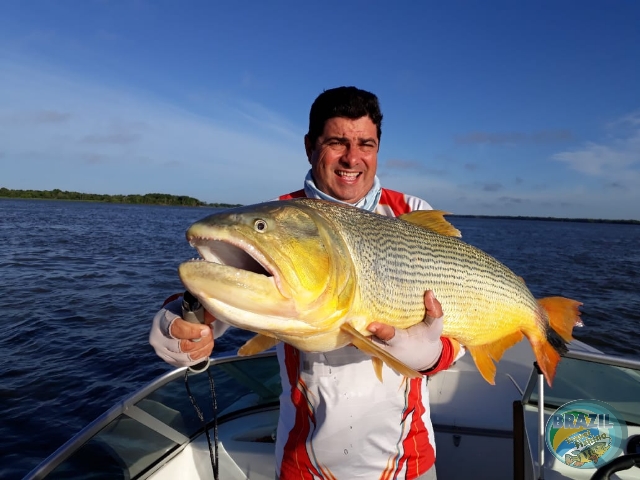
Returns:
(481, 430)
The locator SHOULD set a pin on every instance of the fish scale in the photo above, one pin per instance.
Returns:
(403, 260)
(333, 269)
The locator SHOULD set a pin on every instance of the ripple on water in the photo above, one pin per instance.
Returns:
(80, 296)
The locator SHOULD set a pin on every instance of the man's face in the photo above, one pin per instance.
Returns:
(345, 157)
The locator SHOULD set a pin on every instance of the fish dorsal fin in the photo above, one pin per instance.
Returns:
(367, 346)
(432, 220)
(257, 344)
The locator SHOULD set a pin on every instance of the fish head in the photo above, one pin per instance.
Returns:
(599, 448)
(276, 267)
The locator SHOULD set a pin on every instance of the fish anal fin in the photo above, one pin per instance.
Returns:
(257, 344)
(366, 345)
(564, 314)
(482, 357)
(432, 220)
(497, 349)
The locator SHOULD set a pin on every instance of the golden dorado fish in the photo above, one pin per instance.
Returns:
(592, 453)
(314, 274)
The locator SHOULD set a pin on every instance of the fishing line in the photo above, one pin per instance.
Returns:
(213, 451)
(193, 312)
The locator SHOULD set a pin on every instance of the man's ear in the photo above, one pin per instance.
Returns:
(308, 147)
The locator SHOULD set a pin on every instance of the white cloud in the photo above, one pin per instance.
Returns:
(77, 134)
(616, 160)
(571, 200)
(60, 130)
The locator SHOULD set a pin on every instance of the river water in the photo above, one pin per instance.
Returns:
(80, 283)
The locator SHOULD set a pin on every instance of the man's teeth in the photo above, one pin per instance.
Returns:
(348, 174)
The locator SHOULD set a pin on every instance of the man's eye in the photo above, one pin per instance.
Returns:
(336, 145)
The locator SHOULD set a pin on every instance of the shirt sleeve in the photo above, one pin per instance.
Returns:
(450, 353)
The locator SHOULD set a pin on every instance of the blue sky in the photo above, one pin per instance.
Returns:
(505, 108)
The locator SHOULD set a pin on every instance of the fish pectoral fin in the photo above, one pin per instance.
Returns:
(366, 345)
(377, 367)
(431, 220)
(257, 344)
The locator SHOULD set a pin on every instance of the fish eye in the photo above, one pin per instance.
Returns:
(260, 226)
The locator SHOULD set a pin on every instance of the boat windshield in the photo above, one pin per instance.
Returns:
(585, 375)
(131, 439)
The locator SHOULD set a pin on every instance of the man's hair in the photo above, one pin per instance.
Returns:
(348, 102)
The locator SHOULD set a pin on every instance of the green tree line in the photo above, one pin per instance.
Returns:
(147, 199)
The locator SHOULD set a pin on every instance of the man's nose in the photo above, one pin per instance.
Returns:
(350, 156)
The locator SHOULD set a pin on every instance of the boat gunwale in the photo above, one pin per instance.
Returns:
(580, 351)
(586, 353)
(62, 453)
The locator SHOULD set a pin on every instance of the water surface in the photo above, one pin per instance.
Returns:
(82, 281)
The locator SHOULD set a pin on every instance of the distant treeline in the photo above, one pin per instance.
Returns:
(553, 219)
(147, 199)
(182, 200)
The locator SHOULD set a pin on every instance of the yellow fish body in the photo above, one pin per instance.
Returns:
(314, 274)
(592, 453)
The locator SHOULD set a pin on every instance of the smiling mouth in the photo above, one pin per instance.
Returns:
(348, 175)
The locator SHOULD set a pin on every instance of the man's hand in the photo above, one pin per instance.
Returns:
(418, 346)
(173, 338)
(385, 332)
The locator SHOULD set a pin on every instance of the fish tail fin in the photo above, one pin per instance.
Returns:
(563, 313)
(558, 317)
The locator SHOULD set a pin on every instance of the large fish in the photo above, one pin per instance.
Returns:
(314, 274)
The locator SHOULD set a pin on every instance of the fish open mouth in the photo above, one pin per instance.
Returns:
(240, 256)
(240, 284)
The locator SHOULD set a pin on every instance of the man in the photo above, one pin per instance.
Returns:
(337, 420)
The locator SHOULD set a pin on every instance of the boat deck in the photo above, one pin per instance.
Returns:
(156, 434)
